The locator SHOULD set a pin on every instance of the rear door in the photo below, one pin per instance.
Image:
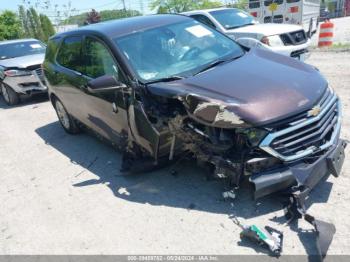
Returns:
(68, 75)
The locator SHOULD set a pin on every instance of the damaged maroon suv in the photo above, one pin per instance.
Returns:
(166, 86)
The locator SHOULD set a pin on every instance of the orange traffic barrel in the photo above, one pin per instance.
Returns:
(326, 34)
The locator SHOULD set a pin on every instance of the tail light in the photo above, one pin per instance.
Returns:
(294, 9)
(255, 14)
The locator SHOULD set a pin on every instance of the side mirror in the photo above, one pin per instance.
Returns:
(251, 43)
(103, 84)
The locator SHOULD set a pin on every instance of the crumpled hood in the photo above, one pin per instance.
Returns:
(23, 61)
(261, 87)
(267, 29)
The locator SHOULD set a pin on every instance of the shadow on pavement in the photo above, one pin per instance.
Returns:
(25, 101)
(189, 189)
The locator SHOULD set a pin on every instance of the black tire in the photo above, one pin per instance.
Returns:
(9, 95)
(67, 121)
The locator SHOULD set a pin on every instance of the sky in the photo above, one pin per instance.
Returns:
(77, 6)
(80, 5)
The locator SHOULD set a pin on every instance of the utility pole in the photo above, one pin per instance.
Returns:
(124, 6)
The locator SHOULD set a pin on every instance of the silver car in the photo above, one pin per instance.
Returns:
(20, 69)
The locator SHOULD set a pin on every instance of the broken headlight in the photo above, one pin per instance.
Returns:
(254, 135)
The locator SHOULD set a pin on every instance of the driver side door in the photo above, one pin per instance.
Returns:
(105, 112)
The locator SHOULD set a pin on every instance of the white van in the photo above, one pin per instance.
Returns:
(302, 12)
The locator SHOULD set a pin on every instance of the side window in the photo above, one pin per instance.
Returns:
(98, 60)
(203, 19)
(69, 54)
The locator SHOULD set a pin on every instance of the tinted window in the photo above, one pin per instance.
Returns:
(69, 54)
(276, 19)
(269, 2)
(232, 18)
(18, 49)
(254, 3)
(98, 60)
(203, 19)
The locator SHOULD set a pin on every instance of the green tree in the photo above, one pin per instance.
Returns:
(104, 16)
(47, 27)
(241, 4)
(27, 32)
(178, 6)
(35, 24)
(10, 26)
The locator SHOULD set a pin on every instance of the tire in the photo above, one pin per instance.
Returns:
(9, 95)
(66, 120)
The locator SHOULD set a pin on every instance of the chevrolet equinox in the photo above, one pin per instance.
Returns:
(166, 86)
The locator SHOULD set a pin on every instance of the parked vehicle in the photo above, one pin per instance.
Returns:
(285, 39)
(164, 86)
(300, 12)
(20, 69)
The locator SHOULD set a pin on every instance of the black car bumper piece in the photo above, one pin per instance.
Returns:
(300, 173)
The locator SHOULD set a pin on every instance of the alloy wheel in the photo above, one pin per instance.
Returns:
(62, 115)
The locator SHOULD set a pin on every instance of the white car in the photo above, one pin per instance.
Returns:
(286, 39)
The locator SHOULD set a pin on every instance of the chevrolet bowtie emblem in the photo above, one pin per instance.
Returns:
(314, 111)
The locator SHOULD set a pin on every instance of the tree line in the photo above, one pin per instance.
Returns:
(94, 17)
(27, 23)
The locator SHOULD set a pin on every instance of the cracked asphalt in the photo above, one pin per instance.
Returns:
(63, 194)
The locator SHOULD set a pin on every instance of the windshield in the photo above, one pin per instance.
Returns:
(18, 49)
(233, 18)
(180, 50)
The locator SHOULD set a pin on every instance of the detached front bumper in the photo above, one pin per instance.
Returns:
(300, 173)
(27, 85)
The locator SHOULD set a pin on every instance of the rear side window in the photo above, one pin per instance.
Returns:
(98, 60)
(69, 54)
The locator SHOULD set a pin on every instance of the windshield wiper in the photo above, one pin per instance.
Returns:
(166, 79)
(211, 65)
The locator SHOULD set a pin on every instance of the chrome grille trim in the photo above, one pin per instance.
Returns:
(326, 106)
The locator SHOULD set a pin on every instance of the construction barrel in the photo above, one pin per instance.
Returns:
(326, 34)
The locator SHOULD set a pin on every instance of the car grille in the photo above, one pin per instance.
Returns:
(294, 38)
(306, 133)
(39, 73)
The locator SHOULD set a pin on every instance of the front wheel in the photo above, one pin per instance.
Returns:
(10, 96)
(67, 122)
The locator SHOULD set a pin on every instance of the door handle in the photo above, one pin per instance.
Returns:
(114, 107)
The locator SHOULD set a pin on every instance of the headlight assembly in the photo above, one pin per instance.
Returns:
(273, 40)
(254, 135)
(14, 72)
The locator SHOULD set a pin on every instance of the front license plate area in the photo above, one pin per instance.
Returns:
(336, 158)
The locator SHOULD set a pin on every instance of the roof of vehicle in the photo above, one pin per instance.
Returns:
(17, 41)
(120, 27)
(206, 11)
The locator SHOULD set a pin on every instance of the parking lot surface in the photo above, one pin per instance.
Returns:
(63, 194)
